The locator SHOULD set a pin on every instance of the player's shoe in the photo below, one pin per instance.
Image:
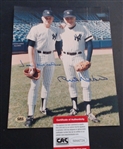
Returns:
(93, 118)
(29, 121)
(45, 112)
(74, 111)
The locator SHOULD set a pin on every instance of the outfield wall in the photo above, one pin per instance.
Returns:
(102, 44)
(18, 47)
(22, 46)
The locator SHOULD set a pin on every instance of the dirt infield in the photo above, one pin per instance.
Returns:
(18, 58)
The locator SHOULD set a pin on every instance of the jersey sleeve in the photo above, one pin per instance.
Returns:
(31, 43)
(32, 34)
(89, 50)
(58, 35)
(87, 35)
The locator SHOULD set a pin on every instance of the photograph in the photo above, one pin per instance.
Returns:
(61, 59)
(61, 65)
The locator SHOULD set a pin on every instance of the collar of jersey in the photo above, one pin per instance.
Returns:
(46, 27)
(72, 27)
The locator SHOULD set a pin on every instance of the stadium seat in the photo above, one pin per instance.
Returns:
(23, 22)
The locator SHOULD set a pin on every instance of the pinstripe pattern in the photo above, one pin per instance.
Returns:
(45, 39)
(46, 74)
(69, 62)
(74, 41)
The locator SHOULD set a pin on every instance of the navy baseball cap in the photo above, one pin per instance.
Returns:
(68, 13)
(47, 13)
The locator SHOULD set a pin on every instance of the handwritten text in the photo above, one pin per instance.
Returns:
(42, 65)
(74, 79)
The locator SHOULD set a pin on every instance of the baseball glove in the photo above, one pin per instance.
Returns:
(82, 66)
(35, 73)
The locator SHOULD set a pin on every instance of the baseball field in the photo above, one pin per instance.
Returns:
(104, 96)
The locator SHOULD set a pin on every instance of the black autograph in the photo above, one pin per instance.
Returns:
(74, 79)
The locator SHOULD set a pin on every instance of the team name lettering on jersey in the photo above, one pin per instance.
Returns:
(77, 37)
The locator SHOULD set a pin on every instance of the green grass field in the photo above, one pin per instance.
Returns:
(104, 98)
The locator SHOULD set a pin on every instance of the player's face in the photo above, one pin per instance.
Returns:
(47, 20)
(70, 21)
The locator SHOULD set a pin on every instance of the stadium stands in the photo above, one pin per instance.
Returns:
(90, 17)
(24, 20)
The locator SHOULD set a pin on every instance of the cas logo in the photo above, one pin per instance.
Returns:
(62, 141)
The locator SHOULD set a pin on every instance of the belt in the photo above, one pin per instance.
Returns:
(72, 53)
(45, 52)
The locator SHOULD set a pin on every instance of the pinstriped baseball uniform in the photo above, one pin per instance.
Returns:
(74, 41)
(45, 39)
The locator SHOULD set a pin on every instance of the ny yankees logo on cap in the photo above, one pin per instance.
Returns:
(77, 37)
(48, 12)
(68, 13)
(54, 36)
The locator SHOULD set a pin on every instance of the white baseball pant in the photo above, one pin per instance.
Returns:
(46, 73)
(69, 61)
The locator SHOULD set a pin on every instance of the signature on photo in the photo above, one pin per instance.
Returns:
(44, 64)
(74, 79)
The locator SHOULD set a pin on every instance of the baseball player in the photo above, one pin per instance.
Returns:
(41, 45)
(74, 37)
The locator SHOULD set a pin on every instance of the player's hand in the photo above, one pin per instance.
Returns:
(47, 24)
(44, 20)
(60, 56)
(32, 66)
(31, 70)
(62, 25)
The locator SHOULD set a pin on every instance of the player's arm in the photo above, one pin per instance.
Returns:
(62, 25)
(89, 50)
(88, 39)
(31, 53)
(58, 44)
(32, 37)
(58, 47)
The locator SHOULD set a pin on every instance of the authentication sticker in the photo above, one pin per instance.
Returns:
(70, 132)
